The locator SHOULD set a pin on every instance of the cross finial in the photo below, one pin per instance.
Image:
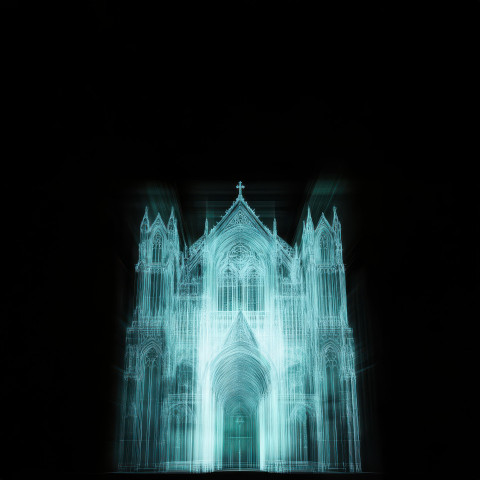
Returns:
(240, 188)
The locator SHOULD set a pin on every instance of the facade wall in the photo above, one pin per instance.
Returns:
(240, 354)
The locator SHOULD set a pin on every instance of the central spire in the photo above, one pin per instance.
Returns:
(240, 188)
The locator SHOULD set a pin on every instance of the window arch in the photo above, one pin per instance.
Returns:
(303, 425)
(254, 291)
(151, 357)
(181, 420)
(157, 247)
(243, 291)
(296, 379)
(184, 378)
(324, 248)
(229, 290)
(239, 255)
(148, 407)
(333, 407)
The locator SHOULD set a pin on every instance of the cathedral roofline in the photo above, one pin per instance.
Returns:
(240, 200)
(158, 222)
(323, 222)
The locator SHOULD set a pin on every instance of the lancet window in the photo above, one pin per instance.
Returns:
(157, 248)
(241, 291)
(180, 426)
(229, 290)
(254, 290)
(333, 407)
(149, 411)
(324, 249)
(184, 378)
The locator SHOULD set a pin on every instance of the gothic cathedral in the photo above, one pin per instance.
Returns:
(240, 355)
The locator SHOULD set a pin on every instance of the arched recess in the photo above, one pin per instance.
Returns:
(156, 248)
(241, 376)
(303, 433)
(238, 248)
(254, 287)
(149, 414)
(241, 281)
(324, 247)
(250, 237)
(181, 423)
(229, 289)
(296, 379)
(333, 407)
(240, 437)
(184, 378)
(156, 343)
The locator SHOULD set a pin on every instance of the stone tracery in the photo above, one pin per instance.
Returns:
(240, 354)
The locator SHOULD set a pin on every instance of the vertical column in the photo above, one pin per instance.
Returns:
(129, 420)
(356, 431)
(344, 435)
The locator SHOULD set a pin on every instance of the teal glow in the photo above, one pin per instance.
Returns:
(240, 355)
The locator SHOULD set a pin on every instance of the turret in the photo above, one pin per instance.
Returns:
(337, 228)
(309, 224)
(323, 221)
(173, 232)
(295, 264)
(144, 228)
(307, 237)
(171, 222)
(145, 225)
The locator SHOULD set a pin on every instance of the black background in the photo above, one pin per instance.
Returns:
(115, 97)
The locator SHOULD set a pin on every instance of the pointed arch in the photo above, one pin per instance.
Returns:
(149, 409)
(157, 244)
(180, 424)
(151, 344)
(296, 378)
(324, 247)
(254, 241)
(333, 408)
(254, 285)
(229, 289)
(181, 410)
(330, 348)
(302, 407)
(303, 427)
(184, 378)
(240, 372)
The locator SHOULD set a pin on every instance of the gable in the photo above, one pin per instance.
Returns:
(240, 215)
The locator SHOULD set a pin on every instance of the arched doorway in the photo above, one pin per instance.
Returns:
(241, 377)
(240, 437)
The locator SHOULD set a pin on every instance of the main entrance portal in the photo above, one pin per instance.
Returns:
(241, 378)
(240, 440)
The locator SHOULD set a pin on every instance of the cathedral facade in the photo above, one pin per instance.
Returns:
(240, 355)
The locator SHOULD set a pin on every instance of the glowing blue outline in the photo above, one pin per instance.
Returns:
(211, 387)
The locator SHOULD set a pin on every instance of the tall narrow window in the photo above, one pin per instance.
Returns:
(228, 286)
(184, 378)
(254, 291)
(149, 411)
(333, 407)
(181, 422)
(157, 248)
(299, 433)
(324, 247)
